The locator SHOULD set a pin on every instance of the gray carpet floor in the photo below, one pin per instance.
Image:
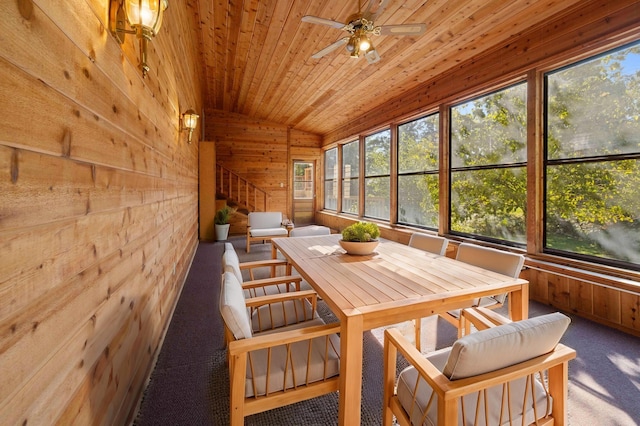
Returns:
(190, 382)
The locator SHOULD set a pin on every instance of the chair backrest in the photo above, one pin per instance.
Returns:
(505, 345)
(233, 307)
(308, 231)
(502, 262)
(262, 220)
(431, 243)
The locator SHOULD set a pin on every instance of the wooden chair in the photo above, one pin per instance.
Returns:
(281, 311)
(514, 373)
(499, 261)
(432, 244)
(263, 226)
(278, 367)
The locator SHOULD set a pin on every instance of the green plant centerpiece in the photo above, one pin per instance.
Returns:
(361, 238)
(221, 221)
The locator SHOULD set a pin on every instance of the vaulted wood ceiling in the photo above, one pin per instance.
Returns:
(257, 53)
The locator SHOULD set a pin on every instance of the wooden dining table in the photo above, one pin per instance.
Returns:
(394, 284)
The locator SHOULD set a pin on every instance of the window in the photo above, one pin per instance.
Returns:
(377, 178)
(418, 183)
(488, 166)
(331, 179)
(350, 178)
(592, 199)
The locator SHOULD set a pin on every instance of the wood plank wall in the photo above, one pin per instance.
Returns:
(98, 206)
(261, 152)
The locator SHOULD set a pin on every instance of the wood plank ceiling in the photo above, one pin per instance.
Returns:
(257, 53)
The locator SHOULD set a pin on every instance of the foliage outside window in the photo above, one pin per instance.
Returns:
(488, 166)
(331, 179)
(418, 183)
(593, 158)
(377, 178)
(350, 177)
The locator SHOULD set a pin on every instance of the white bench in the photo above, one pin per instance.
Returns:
(263, 226)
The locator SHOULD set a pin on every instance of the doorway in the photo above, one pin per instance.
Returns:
(303, 193)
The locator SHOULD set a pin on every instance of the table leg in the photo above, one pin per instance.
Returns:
(351, 336)
(519, 303)
(274, 255)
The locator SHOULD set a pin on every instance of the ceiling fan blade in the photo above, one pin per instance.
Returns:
(382, 5)
(322, 21)
(403, 29)
(330, 48)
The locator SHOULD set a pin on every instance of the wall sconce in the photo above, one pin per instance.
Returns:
(143, 16)
(189, 122)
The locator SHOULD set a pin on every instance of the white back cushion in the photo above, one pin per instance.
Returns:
(505, 345)
(307, 231)
(231, 263)
(265, 219)
(233, 307)
(502, 262)
(431, 243)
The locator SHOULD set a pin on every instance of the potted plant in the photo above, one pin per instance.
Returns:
(360, 238)
(221, 221)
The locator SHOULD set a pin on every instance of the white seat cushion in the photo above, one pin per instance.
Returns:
(407, 382)
(268, 232)
(233, 307)
(280, 363)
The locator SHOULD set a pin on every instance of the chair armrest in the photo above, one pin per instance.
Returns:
(263, 263)
(272, 281)
(270, 340)
(426, 369)
(483, 318)
(253, 302)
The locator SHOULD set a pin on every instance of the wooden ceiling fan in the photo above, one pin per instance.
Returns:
(361, 26)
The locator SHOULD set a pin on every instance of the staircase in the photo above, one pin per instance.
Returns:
(236, 191)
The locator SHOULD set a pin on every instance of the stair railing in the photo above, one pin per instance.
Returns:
(240, 190)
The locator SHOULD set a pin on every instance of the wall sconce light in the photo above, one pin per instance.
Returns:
(189, 122)
(143, 16)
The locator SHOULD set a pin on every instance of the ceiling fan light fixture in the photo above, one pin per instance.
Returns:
(365, 43)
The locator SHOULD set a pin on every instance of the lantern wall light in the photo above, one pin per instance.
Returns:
(189, 122)
(144, 18)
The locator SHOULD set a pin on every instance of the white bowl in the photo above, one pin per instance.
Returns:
(358, 248)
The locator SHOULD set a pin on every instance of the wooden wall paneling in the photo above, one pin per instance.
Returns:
(559, 291)
(606, 304)
(98, 211)
(581, 297)
(630, 310)
(207, 190)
